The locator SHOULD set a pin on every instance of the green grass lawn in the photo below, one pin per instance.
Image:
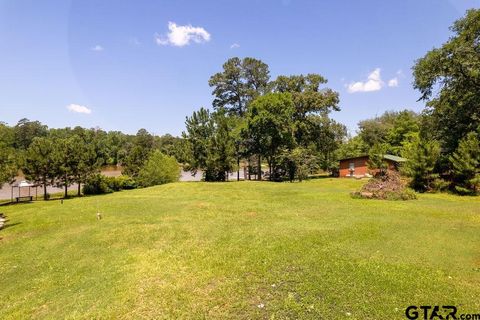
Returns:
(239, 250)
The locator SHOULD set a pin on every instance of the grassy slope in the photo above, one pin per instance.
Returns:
(196, 250)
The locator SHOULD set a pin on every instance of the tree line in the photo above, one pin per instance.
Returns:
(62, 157)
(281, 129)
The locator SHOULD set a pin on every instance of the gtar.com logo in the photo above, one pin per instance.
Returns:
(438, 312)
(431, 312)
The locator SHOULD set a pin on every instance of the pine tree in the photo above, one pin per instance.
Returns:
(465, 162)
(421, 157)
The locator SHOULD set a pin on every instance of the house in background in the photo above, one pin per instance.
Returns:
(357, 167)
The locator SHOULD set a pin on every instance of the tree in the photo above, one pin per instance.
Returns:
(422, 157)
(65, 159)
(308, 99)
(40, 163)
(448, 79)
(25, 131)
(240, 82)
(466, 165)
(221, 147)
(376, 159)
(326, 135)
(392, 128)
(158, 169)
(8, 164)
(351, 148)
(138, 152)
(211, 144)
(270, 128)
(298, 163)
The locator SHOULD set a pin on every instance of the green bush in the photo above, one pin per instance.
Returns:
(159, 169)
(97, 184)
(126, 182)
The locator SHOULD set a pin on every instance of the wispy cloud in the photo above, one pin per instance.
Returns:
(234, 46)
(97, 48)
(134, 41)
(180, 36)
(393, 82)
(373, 83)
(78, 108)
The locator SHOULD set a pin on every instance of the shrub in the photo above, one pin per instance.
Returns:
(97, 184)
(159, 169)
(440, 184)
(126, 182)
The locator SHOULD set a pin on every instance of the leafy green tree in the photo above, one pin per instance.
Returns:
(308, 99)
(211, 144)
(25, 131)
(200, 129)
(448, 79)
(138, 152)
(39, 165)
(115, 142)
(376, 158)
(7, 135)
(352, 147)
(466, 165)
(64, 158)
(158, 169)
(8, 164)
(221, 148)
(326, 135)
(393, 128)
(270, 128)
(422, 157)
(298, 163)
(241, 81)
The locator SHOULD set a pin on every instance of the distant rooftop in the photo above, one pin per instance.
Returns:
(394, 158)
(386, 156)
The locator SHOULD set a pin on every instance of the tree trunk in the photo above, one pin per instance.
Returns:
(238, 169)
(259, 169)
(78, 191)
(65, 185)
(44, 189)
(270, 170)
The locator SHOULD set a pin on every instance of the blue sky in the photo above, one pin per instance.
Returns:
(112, 64)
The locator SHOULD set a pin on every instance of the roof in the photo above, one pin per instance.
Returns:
(390, 157)
(23, 184)
(394, 158)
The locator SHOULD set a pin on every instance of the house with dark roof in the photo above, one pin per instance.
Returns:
(357, 167)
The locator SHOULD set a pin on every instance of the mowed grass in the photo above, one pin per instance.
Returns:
(241, 250)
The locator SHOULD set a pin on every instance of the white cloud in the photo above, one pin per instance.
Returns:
(78, 108)
(180, 36)
(97, 48)
(393, 82)
(374, 83)
(234, 46)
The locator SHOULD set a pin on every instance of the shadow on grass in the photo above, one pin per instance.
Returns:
(9, 225)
